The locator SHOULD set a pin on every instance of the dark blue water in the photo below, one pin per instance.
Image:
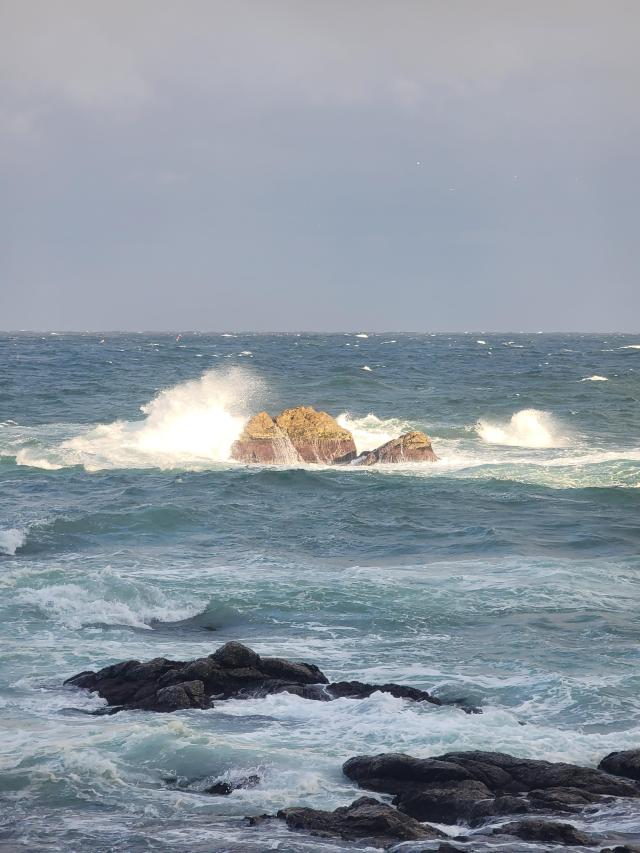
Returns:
(507, 572)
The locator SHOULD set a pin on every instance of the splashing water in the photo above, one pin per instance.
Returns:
(11, 540)
(526, 428)
(371, 431)
(189, 425)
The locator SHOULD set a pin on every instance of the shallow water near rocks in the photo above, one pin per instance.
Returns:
(506, 573)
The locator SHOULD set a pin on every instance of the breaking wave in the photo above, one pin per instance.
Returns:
(526, 428)
(11, 540)
(371, 431)
(188, 426)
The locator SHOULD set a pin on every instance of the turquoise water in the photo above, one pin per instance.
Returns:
(508, 572)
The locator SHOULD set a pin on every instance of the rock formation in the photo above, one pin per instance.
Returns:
(232, 671)
(316, 436)
(365, 819)
(625, 763)
(264, 442)
(473, 786)
(409, 447)
(304, 435)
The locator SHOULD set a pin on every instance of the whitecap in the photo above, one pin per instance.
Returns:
(362, 335)
(11, 539)
(595, 378)
(366, 367)
(526, 428)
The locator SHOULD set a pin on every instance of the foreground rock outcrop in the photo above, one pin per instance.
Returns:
(366, 819)
(234, 670)
(409, 447)
(625, 763)
(473, 786)
(263, 441)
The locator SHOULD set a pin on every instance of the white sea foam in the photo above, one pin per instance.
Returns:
(366, 367)
(189, 425)
(107, 600)
(370, 432)
(362, 335)
(595, 378)
(11, 540)
(526, 428)
(631, 346)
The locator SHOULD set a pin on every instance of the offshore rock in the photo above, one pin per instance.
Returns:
(409, 447)
(316, 436)
(366, 819)
(263, 441)
(233, 671)
(473, 786)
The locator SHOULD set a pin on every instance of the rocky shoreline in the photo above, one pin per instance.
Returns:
(487, 796)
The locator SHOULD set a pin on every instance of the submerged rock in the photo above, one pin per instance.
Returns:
(234, 670)
(473, 786)
(409, 447)
(366, 819)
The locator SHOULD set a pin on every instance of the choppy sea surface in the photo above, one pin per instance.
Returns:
(508, 572)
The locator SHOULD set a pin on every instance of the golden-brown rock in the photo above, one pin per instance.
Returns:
(263, 441)
(316, 436)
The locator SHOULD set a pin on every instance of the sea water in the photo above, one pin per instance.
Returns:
(507, 573)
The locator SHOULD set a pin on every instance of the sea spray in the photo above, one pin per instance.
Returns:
(526, 428)
(11, 540)
(187, 426)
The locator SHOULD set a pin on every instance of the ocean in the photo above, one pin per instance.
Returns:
(508, 572)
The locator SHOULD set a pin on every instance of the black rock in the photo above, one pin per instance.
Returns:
(473, 786)
(224, 788)
(234, 670)
(625, 763)
(365, 819)
(549, 831)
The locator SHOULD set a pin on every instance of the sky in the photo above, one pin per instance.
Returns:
(317, 165)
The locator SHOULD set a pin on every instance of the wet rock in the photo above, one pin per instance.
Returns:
(164, 685)
(233, 671)
(409, 447)
(549, 831)
(444, 803)
(316, 436)
(625, 763)
(366, 819)
(621, 848)
(473, 786)
(263, 441)
(360, 690)
(225, 787)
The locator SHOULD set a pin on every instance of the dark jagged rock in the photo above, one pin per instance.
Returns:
(473, 786)
(225, 787)
(366, 819)
(409, 447)
(549, 831)
(360, 690)
(625, 763)
(234, 670)
(621, 848)
(165, 685)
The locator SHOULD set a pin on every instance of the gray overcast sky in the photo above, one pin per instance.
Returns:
(325, 165)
